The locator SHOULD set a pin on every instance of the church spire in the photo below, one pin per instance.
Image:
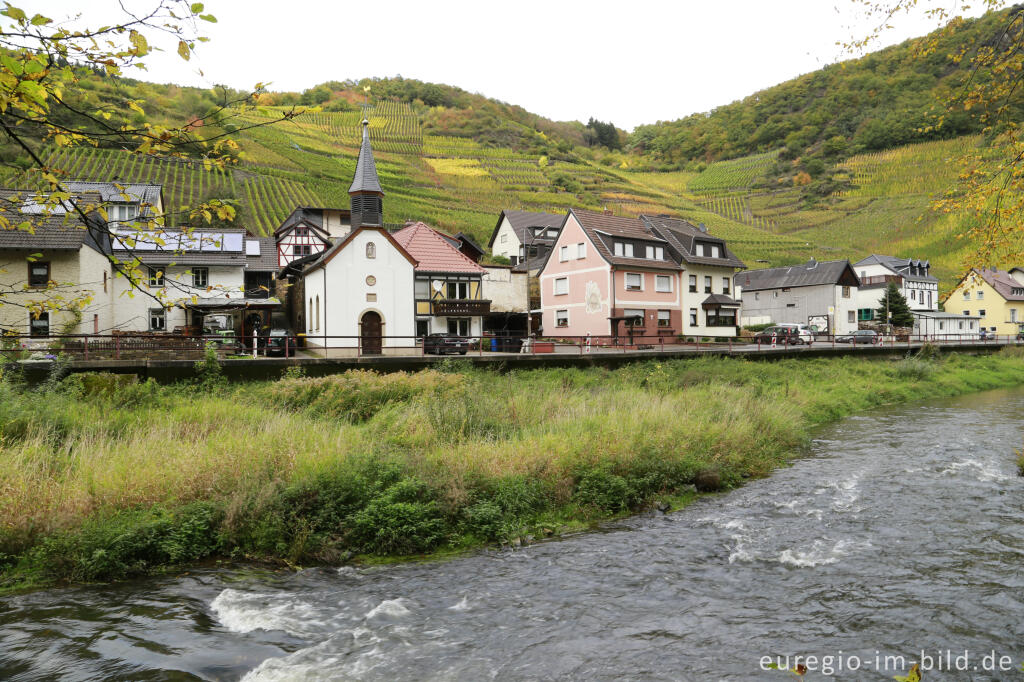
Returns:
(365, 192)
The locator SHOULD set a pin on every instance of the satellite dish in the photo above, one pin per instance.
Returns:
(437, 284)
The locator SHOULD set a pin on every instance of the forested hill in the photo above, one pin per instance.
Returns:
(880, 101)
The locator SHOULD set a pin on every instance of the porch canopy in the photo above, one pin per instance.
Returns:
(223, 305)
(716, 301)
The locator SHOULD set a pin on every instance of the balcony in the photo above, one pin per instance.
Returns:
(455, 307)
(874, 280)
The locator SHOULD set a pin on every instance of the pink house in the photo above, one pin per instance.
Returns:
(656, 277)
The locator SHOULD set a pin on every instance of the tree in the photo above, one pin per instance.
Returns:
(43, 65)
(990, 191)
(893, 308)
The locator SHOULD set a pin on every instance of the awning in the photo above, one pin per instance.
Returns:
(222, 304)
(715, 301)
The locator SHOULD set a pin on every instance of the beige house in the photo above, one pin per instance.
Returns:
(994, 296)
(57, 277)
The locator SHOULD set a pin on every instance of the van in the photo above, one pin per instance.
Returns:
(803, 331)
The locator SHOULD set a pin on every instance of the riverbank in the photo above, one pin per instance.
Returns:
(102, 479)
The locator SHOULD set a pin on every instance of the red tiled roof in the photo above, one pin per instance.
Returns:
(432, 251)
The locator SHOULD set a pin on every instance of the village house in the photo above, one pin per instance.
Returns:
(946, 326)
(524, 237)
(911, 276)
(187, 275)
(994, 296)
(656, 277)
(820, 294)
(448, 286)
(62, 265)
(310, 230)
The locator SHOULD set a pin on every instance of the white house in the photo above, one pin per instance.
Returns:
(188, 275)
(820, 294)
(946, 326)
(911, 276)
(524, 236)
(361, 289)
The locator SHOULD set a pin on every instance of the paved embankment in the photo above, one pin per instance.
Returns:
(264, 367)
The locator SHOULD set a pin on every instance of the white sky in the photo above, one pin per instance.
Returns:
(630, 62)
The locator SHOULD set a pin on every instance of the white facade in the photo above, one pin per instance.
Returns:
(946, 326)
(348, 283)
(506, 242)
(920, 295)
(136, 310)
(803, 305)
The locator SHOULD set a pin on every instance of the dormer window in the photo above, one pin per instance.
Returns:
(656, 253)
(118, 213)
(301, 231)
(624, 249)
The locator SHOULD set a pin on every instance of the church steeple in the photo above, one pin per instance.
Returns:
(365, 193)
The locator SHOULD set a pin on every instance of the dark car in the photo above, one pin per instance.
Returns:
(784, 336)
(861, 337)
(443, 344)
(279, 342)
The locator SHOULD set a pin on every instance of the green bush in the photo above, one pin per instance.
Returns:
(406, 519)
(604, 491)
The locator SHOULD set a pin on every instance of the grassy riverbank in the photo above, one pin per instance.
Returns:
(101, 479)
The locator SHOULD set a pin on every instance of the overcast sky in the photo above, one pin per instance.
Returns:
(627, 62)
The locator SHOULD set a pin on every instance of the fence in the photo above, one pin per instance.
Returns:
(176, 346)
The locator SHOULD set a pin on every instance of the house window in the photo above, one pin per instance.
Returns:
(851, 316)
(693, 317)
(552, 234)
(104, 282)
(371, 250)
(1013, 314)
(942, 325)
(700, 249)
(967, 295)
(981, 313)
(634, 281)
(561, 318)
(725, 285)
(423, 326)
(961, 324)
(301, 231)
(913, 295)
(715, 252)
(503, 239)
(95, 324)
(39, 326)
(866, 314)
(635, 317)
(981, 295)
(563, 253)
(421, 289)
(707, 284)
(966, 313)
(561, 286)
(200, 277)
(157, 319)
(38, 274)
(663, 283)
(664, 318)
(581, 250)
(846, 292)
(693, 284)
(458, 326)
(721, 317)
(318, 312)
(757, 295)
(775, 294)
(624, 249)
(156, 278)
(458, 290)
(309, 320)
(656, 253)
(302, 250)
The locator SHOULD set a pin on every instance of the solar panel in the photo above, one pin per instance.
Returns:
(252, 247)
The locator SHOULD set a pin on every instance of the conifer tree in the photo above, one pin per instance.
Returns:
(895, 306)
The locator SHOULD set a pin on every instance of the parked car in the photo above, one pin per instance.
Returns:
(861, 337)
(784, 336)
(803, 331)
(442, 344)
(220, 330)
(280, 342)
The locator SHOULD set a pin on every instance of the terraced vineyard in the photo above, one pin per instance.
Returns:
(735, 175)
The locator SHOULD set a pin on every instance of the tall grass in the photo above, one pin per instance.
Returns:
(306, 469)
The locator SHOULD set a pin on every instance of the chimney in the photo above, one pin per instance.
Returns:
(607, 211)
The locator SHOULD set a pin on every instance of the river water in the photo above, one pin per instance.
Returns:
(901, 531)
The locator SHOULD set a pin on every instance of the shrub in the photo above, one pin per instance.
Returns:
(604, 491)
(913, 368)
(406, 519)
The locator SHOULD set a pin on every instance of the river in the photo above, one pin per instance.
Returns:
(901, 531)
